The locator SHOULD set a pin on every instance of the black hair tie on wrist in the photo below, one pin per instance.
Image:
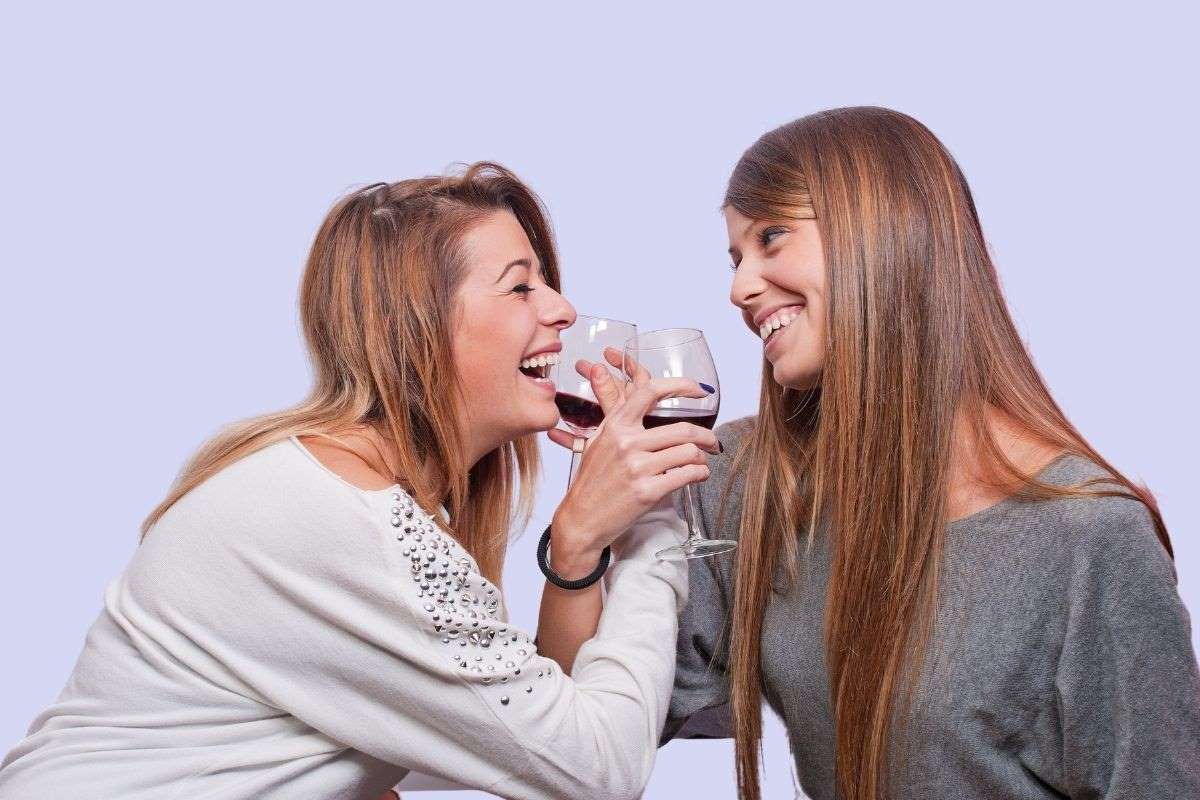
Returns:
(562, 583)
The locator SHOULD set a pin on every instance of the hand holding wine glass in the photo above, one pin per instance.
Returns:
(626, 469)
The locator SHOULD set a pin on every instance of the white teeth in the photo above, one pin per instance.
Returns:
(545, 360)
(780, 319)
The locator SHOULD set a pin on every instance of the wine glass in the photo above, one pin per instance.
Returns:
(679, 353)
(573, 395)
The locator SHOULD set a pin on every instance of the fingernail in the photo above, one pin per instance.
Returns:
(706, 387)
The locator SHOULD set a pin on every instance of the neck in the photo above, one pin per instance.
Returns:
(385, 455)
(973, 484)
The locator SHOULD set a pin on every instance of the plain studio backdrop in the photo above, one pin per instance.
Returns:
(165, 168)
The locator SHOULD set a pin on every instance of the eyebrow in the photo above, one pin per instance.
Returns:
(520, 262)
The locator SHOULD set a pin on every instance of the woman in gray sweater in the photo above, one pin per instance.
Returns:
(941, 587)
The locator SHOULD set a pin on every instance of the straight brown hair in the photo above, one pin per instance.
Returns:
(918, 333)
(377, 306)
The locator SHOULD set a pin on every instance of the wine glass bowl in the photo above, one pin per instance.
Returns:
(586, 339)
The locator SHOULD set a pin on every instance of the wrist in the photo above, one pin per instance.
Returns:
(573, 551)
(561, 581)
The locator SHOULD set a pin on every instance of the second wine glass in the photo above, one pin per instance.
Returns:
(679, 353)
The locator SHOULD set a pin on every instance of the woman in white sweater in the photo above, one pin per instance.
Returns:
(314, 609)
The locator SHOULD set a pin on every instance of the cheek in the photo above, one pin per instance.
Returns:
(488, 346)
(475, 352)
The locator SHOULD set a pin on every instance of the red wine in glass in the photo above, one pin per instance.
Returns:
(579, 413)
(668, 416)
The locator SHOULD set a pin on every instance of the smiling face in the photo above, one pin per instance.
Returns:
(779, 285)
(507, 316)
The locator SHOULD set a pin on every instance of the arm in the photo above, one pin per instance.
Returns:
(700, 700)
(1127, 681)
(568, 618)
(624, 471)
(333, 627)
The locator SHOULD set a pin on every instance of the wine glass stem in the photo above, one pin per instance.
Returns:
(689, 513)
(576, 453)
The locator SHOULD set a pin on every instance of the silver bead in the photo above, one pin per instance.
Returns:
(395, 522)
(504, 700)
(528, 690)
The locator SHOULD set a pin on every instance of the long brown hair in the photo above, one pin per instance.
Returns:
(918, 335)
(377, 304)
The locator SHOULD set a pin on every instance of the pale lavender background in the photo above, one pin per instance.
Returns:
(165, 169)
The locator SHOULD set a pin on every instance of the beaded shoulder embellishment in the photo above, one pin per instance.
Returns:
(461, 606)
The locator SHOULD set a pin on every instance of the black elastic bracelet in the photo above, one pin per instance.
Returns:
(562, 583)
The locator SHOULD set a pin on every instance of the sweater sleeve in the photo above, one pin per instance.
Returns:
(388, 640)
(1127, 680)
(700, 700)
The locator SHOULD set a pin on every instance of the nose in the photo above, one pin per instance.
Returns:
(748, 283)
(556, 311)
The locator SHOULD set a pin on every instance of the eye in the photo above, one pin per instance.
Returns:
(768, 235)
(522, 288)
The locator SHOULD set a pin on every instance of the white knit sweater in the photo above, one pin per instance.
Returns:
(283, 634)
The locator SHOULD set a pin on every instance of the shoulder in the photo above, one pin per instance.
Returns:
(1103, 538)
(278, 492)
(272, 521)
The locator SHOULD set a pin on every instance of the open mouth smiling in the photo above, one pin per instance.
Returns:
(538, 367)
(777, 321)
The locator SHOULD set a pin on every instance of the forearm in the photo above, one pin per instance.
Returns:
(567, 617)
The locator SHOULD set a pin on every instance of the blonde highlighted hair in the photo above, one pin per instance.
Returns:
(377, 306)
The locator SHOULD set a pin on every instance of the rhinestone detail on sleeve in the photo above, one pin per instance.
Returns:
(461, 607)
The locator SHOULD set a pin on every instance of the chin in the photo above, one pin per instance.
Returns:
(800, 380)
(540, 421)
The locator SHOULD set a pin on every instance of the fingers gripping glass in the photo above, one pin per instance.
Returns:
(679, 353)
(585, 340)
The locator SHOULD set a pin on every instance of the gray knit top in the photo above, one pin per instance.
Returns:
(1061, 664)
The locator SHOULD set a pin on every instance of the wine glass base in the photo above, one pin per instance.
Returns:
(696, 548)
